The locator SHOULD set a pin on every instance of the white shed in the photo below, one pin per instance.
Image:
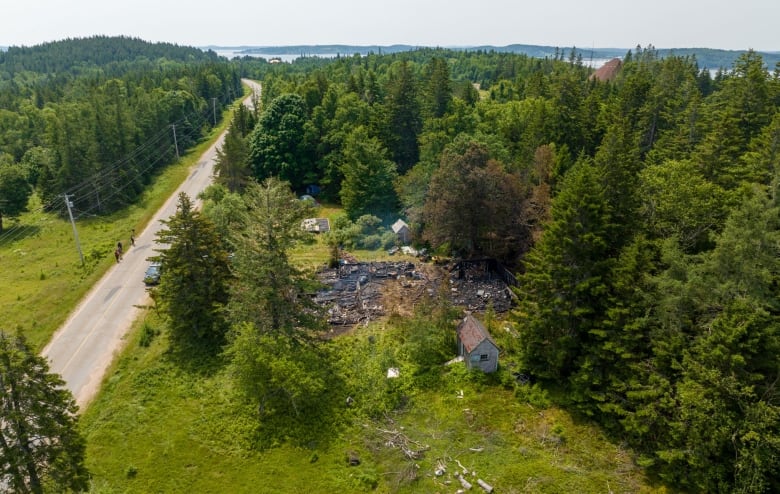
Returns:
(401, 229)
(476, 346)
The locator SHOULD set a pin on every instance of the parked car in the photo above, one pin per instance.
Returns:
(152, 275)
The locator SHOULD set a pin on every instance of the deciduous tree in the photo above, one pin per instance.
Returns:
(474, 206)
(277, 147)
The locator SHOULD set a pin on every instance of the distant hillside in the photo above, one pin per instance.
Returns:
(707, 57)
(97, 51)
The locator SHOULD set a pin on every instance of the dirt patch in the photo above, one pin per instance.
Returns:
(358, 292)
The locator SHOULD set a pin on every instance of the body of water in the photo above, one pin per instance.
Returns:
(285, 57)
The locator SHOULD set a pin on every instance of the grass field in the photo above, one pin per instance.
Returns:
(158, 426)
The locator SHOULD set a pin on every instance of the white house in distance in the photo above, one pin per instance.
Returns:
(401, 230)
(475, 345)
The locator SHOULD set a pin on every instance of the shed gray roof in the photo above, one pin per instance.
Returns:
(399, 225)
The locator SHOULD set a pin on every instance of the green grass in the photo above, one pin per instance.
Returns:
(42, 278)
(158, 427)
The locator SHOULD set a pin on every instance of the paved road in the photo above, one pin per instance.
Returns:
(83, 348)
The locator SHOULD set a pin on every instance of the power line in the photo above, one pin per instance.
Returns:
(97, 183)
(73, 223)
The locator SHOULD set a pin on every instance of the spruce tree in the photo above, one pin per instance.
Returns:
(564, 287)
(193, 287)
(41, 449)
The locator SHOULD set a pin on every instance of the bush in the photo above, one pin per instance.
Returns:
(371, 242)
(533, 394)
(147, 335)
(365, 233)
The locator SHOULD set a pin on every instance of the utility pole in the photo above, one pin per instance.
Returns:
(175, 143)
(73, 223)
(214, 109)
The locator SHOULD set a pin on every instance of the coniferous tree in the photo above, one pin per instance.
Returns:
(193, 286)
(404, 122)
(725, 428)
(367, 187)
(14, 191)
(563, 289)
(232, 165)
(269, 291)
(274, 318)
(41, 449)
(439, 91)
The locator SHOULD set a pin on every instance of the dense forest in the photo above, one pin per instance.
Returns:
(93, 118)
(640, 214)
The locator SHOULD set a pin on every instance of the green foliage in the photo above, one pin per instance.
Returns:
(404, 122)
(363, 364)
(564, 285)
(367, 188)
(277, 147)
(41, 448)
(366, 233)
(193, 288)
(101, 128)
(475, 206)
(428, 338)
(14, 190)
(148, 334)
(232, 163)
(269, 291)
(79, 54)
(679, 202)
(291, 384)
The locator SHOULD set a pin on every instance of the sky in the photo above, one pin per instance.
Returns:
(725, 24)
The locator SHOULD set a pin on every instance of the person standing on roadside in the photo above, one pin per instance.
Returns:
(117, 255)
(132, 238)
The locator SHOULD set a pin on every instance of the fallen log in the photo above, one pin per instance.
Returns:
(488, 488)
(465, 483)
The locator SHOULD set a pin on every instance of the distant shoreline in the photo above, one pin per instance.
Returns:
(709, 58)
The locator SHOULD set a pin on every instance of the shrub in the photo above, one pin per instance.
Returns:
(147, 335)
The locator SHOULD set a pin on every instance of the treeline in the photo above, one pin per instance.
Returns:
(102, 134)
(74, 55)
(641, 214)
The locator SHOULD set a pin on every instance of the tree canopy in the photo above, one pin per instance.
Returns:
(41, 448)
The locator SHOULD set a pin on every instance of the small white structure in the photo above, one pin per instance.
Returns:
(316, 225)
(401, 229)
(475, 345)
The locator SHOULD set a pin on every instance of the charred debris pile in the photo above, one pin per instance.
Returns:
(357, 292)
